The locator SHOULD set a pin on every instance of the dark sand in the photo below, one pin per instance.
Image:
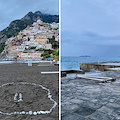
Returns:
(34, 98)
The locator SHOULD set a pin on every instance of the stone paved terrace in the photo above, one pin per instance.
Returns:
(84, 99)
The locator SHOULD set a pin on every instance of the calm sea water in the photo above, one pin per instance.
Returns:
(6, 62)
(68, 63)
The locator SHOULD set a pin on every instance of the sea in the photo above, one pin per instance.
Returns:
(73, 63)
(6, 62)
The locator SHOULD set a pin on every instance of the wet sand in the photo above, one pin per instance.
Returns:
(34, 97)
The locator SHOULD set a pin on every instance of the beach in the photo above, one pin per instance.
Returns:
(85, 99)
(35, 98)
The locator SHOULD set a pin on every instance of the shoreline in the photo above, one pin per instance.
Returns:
(72, 62)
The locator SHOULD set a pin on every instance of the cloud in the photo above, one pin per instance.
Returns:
(89, 43)
(16, 9)
(91, 27)
(89, 37)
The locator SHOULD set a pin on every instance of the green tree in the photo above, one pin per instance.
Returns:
(55, 54)
(2, 47)
(45, 55)
(55, 44)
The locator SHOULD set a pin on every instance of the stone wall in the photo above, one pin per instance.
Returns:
(95, 66)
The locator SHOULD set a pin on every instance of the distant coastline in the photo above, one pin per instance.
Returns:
(84, 56)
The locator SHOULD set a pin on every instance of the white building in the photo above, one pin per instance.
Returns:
(40, 46)
(54, 25)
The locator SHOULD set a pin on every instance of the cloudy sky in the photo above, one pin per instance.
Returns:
(90, 27)
(16, 9)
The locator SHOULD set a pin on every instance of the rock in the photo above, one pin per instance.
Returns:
(34, 113)
(3, 38)
(23, 112)
(30, 112)
(38, 112)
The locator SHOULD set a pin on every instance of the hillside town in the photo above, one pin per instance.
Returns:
(34, 42)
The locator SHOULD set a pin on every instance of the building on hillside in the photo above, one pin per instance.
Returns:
(29, 51)
(49, 36)
(10, 48)
(40, 46)
(27, 32)
(16, 51)
(19, 36)
(29, 56)
(48, 46)
(29, 43)
(41, 39)
(40, 22)
(9, 40)
(57, 38)
(54, 25)
(20, 48)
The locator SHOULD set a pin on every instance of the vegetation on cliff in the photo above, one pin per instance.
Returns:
(2, 47)
(55, 44)
(18, 25)
(15, 27)
(54, 54)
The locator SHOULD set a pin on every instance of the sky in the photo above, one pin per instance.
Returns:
(16, 9)
(90, 27)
